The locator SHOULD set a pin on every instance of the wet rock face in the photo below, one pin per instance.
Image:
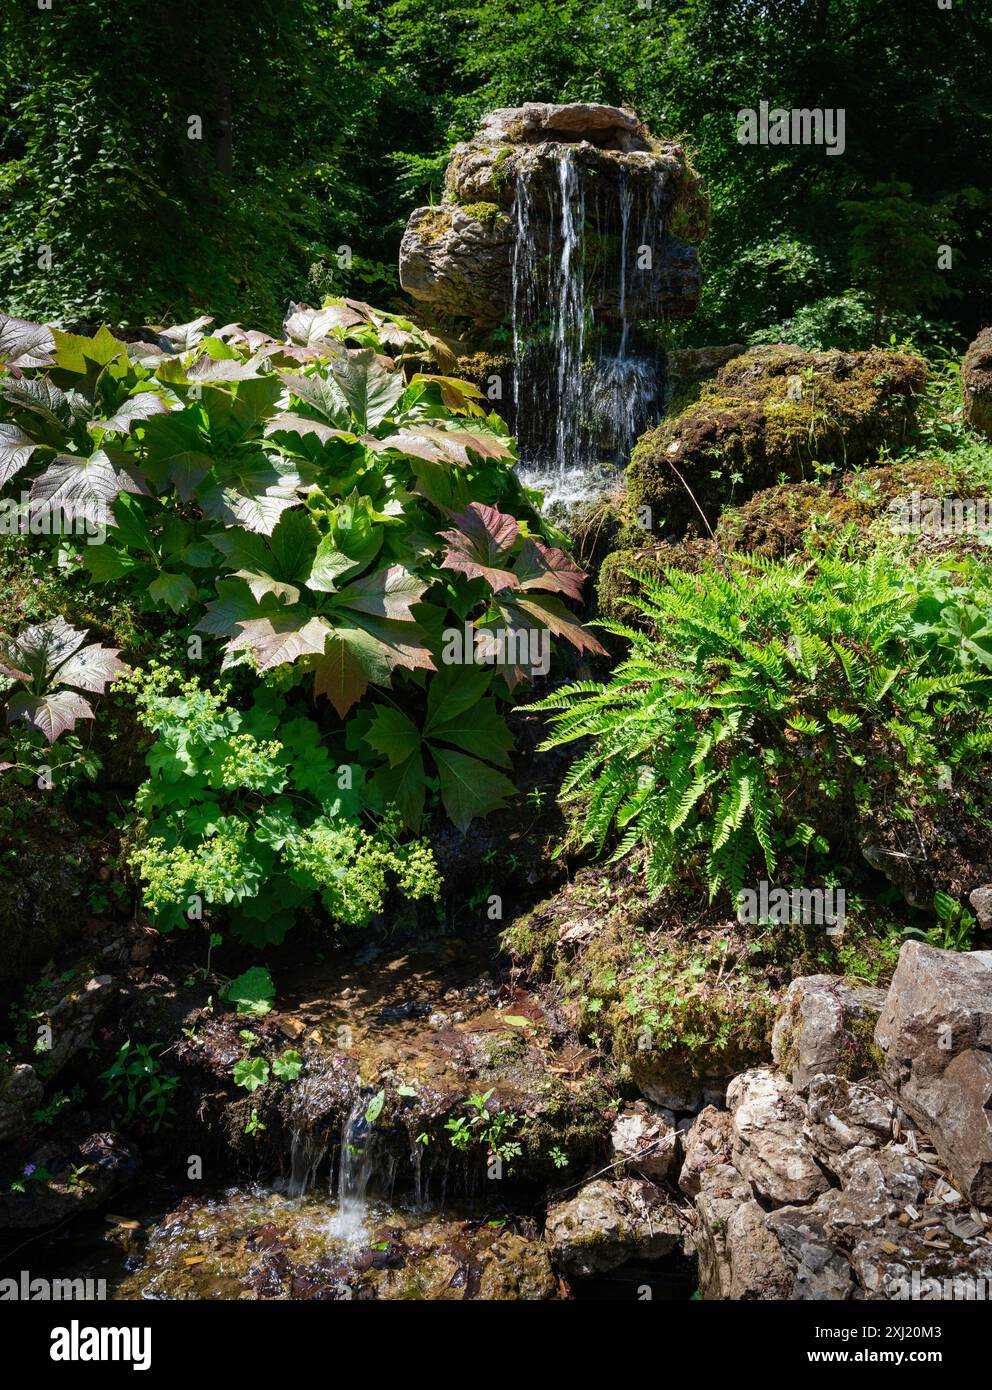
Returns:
(936, 1035)
(458, 258)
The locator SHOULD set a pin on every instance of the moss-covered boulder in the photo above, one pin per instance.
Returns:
(766, 417)
(976, 383)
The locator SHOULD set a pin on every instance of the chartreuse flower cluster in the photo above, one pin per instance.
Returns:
(251, 811)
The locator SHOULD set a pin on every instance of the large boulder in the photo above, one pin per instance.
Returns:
(766, 416)
(826, 1026)
(768, 1143)
(935, 1034)
(976, 383)
(457, 258)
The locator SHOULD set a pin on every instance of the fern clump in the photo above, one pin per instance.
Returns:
(773, 707)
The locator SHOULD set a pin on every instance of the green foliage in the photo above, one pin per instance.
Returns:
(252, 992)
(483, 1127)
(258, 825)
(288, 1066)
(768, 707)
(251, 1073)
(139, 1087)
(312, 506)
(955, 926)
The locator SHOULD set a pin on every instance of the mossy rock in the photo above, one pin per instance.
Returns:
(615, 585)
(976, 383)
(777, 521)
(766, 417)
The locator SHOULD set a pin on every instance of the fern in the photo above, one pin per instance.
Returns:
(752, 692)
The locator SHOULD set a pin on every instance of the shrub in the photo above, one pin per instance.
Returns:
(252, 812)
(316, 506)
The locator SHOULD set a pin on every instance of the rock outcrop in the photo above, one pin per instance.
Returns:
(457, 257)
(875, 1188)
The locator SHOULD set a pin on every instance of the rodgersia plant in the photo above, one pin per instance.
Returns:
(314, 507)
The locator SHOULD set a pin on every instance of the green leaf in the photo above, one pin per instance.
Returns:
(352, 661)
(288, 1066)
(481, 730)
(253, 991)
(370, 388)
(468, 787)
(174, 591)
(16, 449)
(392, 734)
(251, 1073)
(374, 1108)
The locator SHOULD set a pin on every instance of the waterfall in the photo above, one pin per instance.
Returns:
(584, 389)
(569, 328)
(354, 1171)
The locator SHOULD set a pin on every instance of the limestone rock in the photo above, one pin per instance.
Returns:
(981, 901)
(824, 1027)
(878, 1188)
(936, 1036)
(608, 1223)
(846, 1119)
(642, 1136)
(707, 1145)
(817, 1268)
(768, 1144)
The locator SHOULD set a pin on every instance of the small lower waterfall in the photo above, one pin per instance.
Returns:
(354, 1172)
(583, 387)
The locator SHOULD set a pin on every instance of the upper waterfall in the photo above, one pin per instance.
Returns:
(563, 229)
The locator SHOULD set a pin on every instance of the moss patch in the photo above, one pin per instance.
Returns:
(769, 416)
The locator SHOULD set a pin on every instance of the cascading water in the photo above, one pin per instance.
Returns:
(354, 1171)
(582, 388)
